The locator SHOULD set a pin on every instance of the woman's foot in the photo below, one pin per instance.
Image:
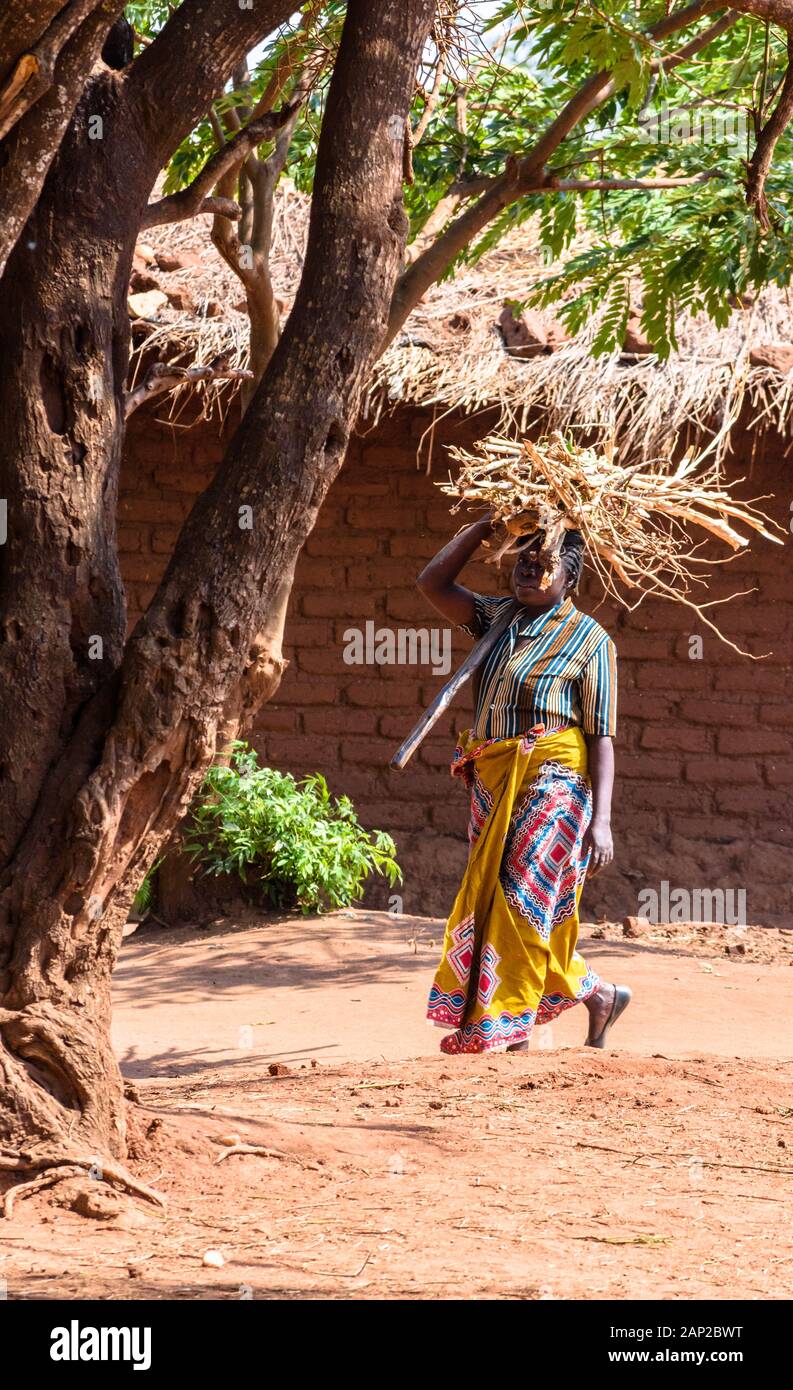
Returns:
(604, 1008)
(519, 1047)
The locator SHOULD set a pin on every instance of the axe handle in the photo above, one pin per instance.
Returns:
(475, 658)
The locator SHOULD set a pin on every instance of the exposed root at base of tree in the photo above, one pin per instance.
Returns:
(58, 1167)
(260, 1151)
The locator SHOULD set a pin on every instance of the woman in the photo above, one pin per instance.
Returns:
(539, 764)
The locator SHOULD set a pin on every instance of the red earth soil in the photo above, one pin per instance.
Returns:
(661, 1169)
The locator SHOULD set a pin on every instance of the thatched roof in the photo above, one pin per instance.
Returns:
(452, 354)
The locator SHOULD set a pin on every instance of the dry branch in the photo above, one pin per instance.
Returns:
(190, 201)
(632, 517)
(164, 376)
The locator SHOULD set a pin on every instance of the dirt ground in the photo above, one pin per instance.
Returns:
(660, 1169)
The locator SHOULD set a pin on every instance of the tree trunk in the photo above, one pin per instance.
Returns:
(207, 653)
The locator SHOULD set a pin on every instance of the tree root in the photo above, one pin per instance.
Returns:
(261, 1152)
(46, 1179)
(60, 1166)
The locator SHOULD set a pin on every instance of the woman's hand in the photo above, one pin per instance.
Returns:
(599, 844)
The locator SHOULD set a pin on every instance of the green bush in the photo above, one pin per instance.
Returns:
(291, 840)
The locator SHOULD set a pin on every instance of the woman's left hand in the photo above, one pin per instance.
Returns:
(599, 843)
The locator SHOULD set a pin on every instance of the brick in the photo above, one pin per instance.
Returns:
(299, 751)
(351, 603)
(435, 755)
(349, 489)
(770, 804)
(676, 736)
(388, 458)
(390, 815)
(416, 485)
(131, 538)
(336, 548)
(320, 661)
(658, 617)
(380, 518)
(758, 678)
(633, 795)
(163, 539)
(153, 509)
(775, 714)
(642, 705)
(176, 479)
(397, 725)
(382, 573)
(312, 692)
(407, 605)
(143, 568)
(652, 769)
(726, 828)
(271, 719)
(341, 720)
(710, 770)
(302, 632)
(359, 783)
(330, 518)
(752, 740)
(382, 693)
(709, 711)
(414, 547)
(453, 820)
(142, 595)
(685, 675)
(637, 646)
(779, 773)
(321, 572)
(415, 783)
(375, 751)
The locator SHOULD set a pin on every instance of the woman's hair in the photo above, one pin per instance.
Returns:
(573, 557)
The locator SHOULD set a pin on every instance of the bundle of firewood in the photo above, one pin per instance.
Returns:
(634, 519)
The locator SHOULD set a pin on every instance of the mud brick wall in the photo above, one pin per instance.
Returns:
(705, 747)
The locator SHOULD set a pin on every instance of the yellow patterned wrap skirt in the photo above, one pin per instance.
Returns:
(509, 953)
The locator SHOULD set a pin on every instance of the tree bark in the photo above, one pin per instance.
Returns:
(33, 132)
(208, 650)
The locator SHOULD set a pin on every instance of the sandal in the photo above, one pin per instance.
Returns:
(622, 998)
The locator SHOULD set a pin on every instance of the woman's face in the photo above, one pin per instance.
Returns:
(526, 576)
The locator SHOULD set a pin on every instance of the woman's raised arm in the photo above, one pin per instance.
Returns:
(437, 579)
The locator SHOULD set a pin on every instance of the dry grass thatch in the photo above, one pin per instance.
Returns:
(451, 356)
(635, 518)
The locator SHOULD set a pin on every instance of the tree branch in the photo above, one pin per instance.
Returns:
(162, 376)
(175, 79)
(33, 142)
(775, 126)
(609, 185)
(188, 201)
(34, 69)
(775, 11)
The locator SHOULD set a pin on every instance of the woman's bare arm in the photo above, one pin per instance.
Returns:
(601, 775)
(437, 579)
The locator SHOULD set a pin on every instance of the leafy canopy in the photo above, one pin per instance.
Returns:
(506, 71)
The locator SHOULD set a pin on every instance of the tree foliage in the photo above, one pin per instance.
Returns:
(496, 78)
(293, 841)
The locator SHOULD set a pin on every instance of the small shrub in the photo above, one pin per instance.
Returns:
(291, 840)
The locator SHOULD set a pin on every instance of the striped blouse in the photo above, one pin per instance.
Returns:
(564, 673)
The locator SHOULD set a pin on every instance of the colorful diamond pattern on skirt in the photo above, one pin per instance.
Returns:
(461, 955)
(488, 979)
(481, 806)
(542, 865)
